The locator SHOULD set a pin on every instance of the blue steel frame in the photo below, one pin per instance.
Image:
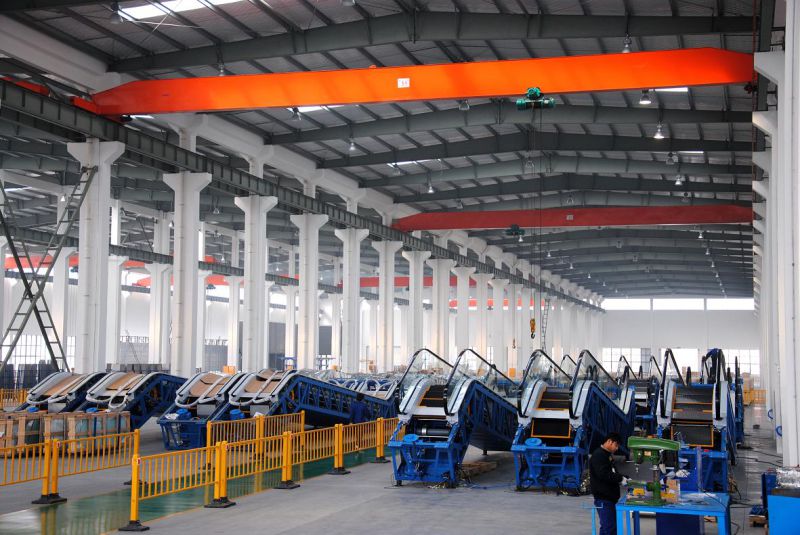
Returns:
(154, 397)
(325, 404)
(485, 420)
(534, 466)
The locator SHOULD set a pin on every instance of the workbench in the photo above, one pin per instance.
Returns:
(699, 504)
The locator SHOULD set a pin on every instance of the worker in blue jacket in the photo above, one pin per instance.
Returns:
(604, 481)
(359, 412)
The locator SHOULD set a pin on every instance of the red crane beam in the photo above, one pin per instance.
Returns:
(485, 79)
(578, 217)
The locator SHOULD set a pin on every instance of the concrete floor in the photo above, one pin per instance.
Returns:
(365, 501)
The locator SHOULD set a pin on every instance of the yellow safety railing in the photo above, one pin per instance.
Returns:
(22, 464)
(169, 473)
(11, 397)
(54, 459)
(256, 427)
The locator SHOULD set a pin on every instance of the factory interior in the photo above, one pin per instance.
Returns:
(405, 266)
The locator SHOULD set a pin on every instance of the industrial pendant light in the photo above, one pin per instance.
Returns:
(115, 17)
(645, 100)
(672, 158)
(659, 132)
(626, 44)
(352, 146)
(678, 181)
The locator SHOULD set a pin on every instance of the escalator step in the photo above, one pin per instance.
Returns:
(551, 428)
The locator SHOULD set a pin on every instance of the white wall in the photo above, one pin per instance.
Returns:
(701, 329)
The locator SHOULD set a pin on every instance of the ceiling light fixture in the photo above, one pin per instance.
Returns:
(115, 17)
(659, 132)
(672, 158)
(589, 275)
(520, 239)
(678, 181)
(352, 146)
(700, 235)
(296, 114)
(645, 99)
(459, 204)
(708, 251)
(570, 266)
(463, 105)
(430, 187)
(548, 254)
(626, 44)
(712, 264)
(221, 68)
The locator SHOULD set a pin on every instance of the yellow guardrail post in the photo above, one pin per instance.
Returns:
(261, 432)
(221, 500)
(338, 451)
(380, 455)
(286, 463)
(134, 524)
(50, 476)
(209, 433)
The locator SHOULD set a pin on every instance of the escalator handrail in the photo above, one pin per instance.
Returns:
(455, 369)
(531, 359)
(397, 390)
(599, 366)
(668, 356)
(565, 357)
(627, 364)
(657, 368)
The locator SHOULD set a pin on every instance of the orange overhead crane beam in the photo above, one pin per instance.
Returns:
(573, 74)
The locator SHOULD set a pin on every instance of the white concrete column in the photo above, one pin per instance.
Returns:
(254, 349)
(336, 316)
(416, 272)
(234, 297)
(497, 335)
(386, 268)
(405, 351)
(440, 301)
(482, 281)
(60, 307)
(4, 294)
(351, 296)
(782, 68)
(202, 313)
(93, 254)
(187, 187)
(115, 263)
(159, 320)
(308, 322)
(290, 338)
(372, 355)
(462, 306)
(267, 311)
(514, 341)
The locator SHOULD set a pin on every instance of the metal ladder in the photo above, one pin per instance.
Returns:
(33, 302)
(545, 314)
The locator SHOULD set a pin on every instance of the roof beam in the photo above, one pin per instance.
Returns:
(571, 181)
(425, 26)
(539, 141)
(504, 112)
(576, 217)
(559, 164)
(483, 79)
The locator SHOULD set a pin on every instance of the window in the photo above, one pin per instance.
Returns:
(626, 304)
(730, 304)
(678, 304)
(749, 360)
(611, 356)
(686, 357)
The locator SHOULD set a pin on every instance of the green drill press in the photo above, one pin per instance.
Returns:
(656, 452)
